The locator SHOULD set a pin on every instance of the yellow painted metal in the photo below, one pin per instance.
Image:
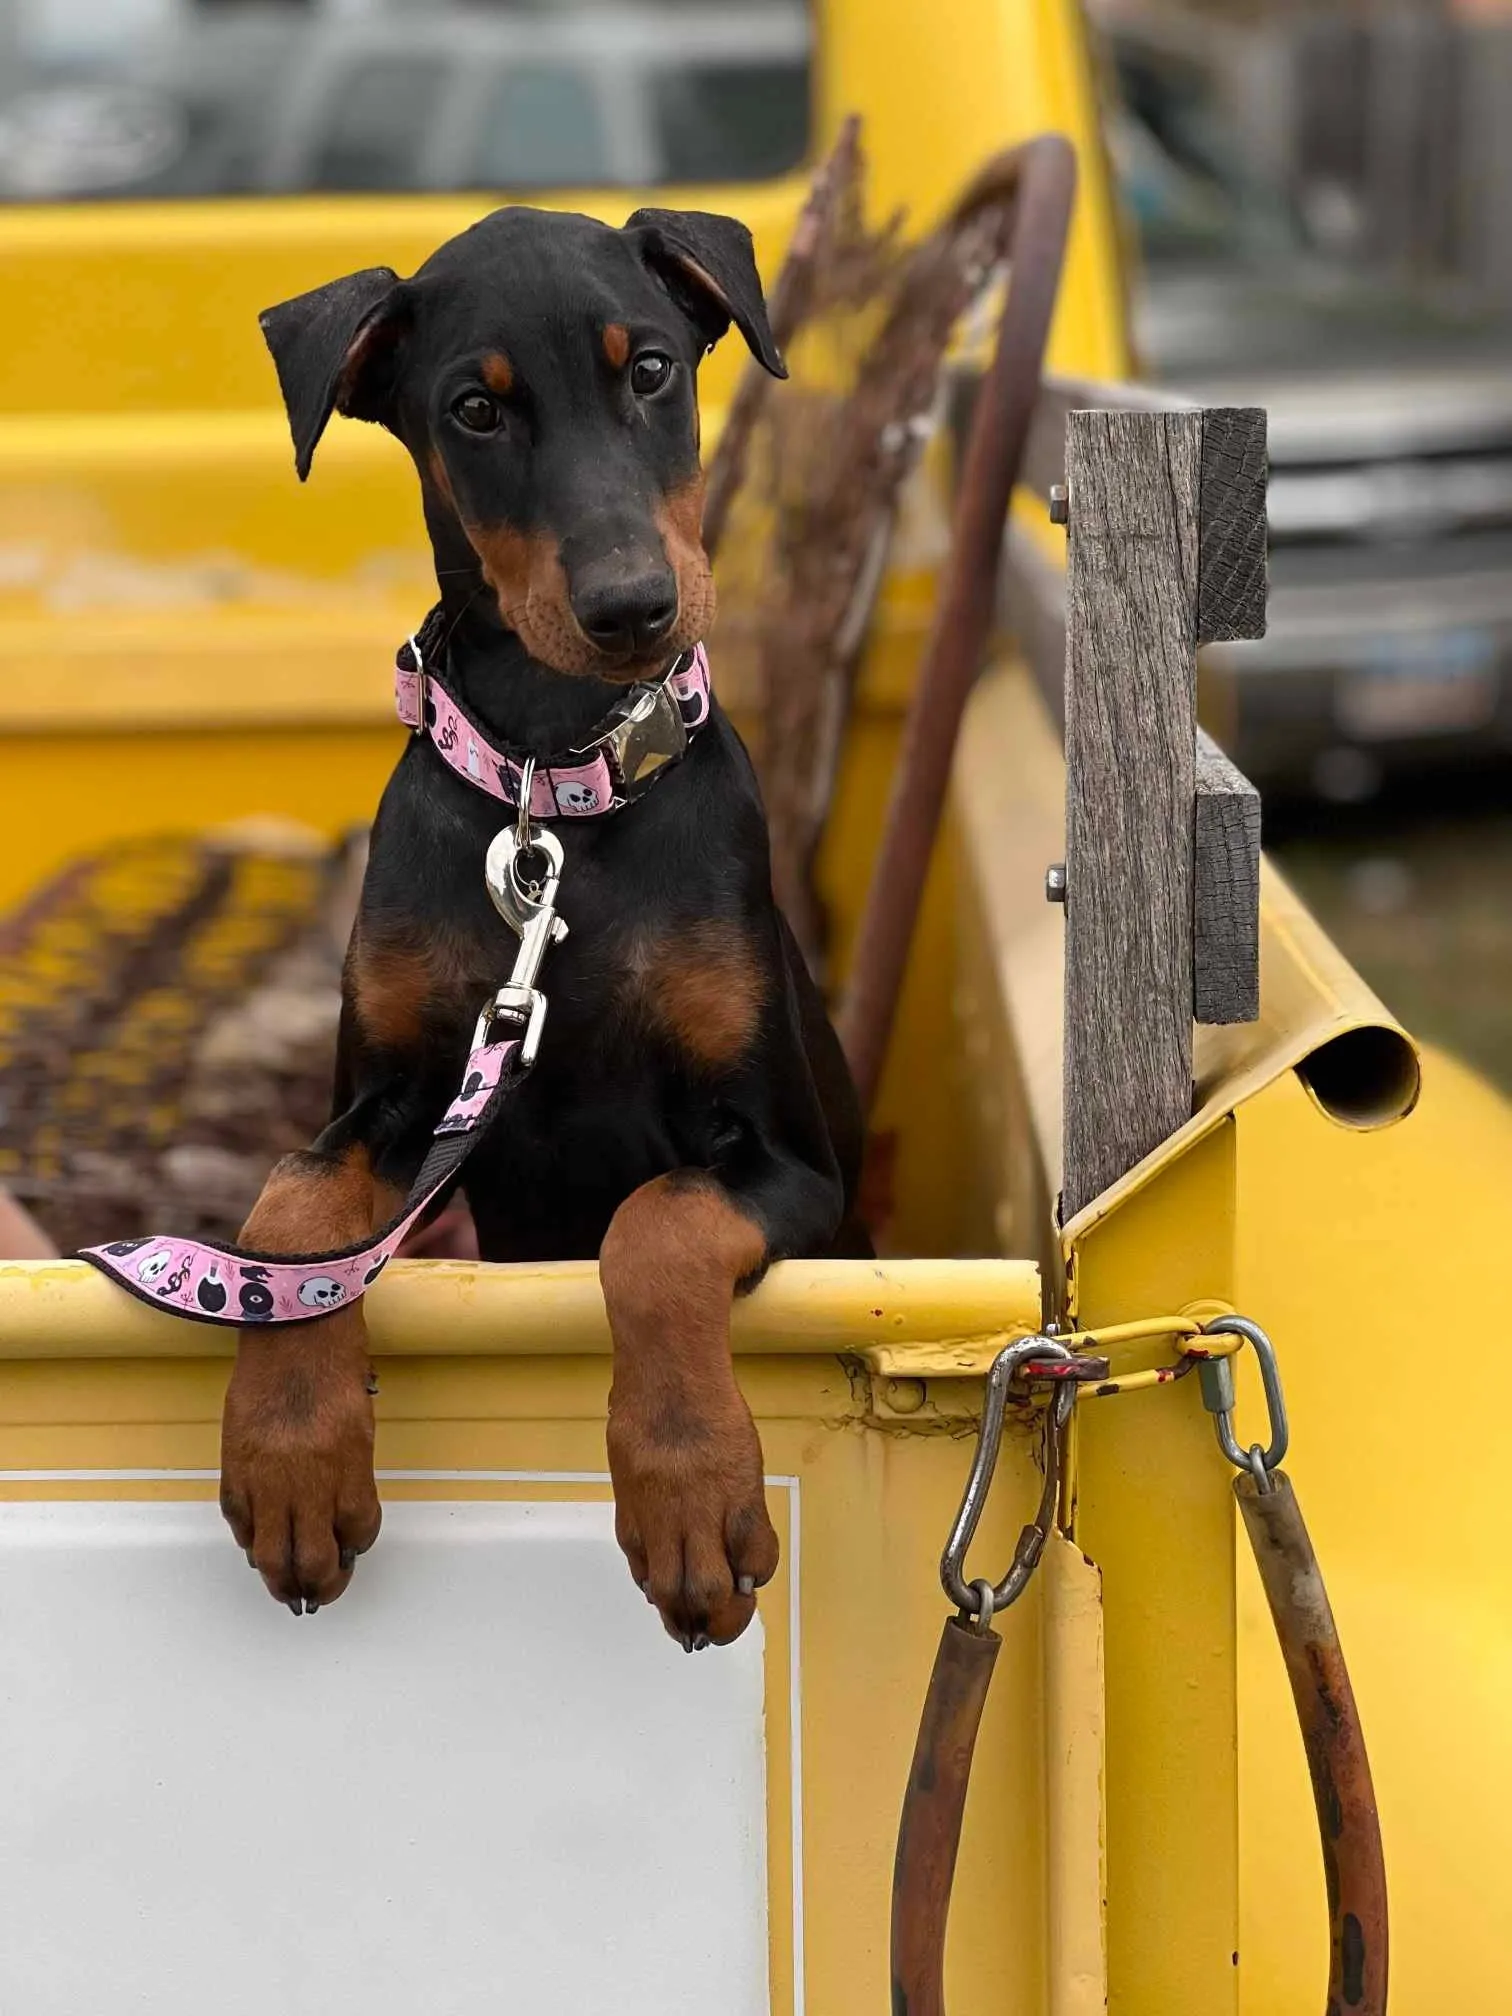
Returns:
(1380, 1265)
(1154, 1511)
(860, 1510)
(1075, 1851)
(901, 1318)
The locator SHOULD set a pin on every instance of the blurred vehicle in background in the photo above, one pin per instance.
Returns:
(172, 98)
(1280, 270)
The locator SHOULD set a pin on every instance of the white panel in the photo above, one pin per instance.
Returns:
(485, 1780)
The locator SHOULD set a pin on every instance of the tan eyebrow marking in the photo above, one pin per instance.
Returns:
(498, 373)
(617, 345)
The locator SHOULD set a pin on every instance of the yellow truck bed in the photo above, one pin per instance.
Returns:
(195, 640)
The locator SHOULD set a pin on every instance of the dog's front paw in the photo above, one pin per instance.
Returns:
(690, 1509)
(297, 1484)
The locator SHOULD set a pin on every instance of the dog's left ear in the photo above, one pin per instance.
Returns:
(709, 264)
(334, 350)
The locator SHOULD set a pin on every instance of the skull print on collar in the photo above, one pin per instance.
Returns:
(643, 735)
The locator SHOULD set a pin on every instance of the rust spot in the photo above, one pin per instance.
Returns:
(498, 373)
(617, 345)
(703, 987)
(679, 520)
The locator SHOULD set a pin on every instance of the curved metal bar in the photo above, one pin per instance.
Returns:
(1349, 1827)
(934, 1806)
(1040, 178)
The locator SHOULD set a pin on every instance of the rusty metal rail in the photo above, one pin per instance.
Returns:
(1042, 178)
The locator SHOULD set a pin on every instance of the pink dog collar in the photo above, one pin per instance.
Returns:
(646, 732)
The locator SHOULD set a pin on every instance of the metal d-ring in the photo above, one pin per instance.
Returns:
(524, 828)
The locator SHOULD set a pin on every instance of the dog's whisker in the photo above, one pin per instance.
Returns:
(452, 626)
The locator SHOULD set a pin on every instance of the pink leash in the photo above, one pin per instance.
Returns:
(645, 734)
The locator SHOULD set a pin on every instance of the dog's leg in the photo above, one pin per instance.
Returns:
(690, 1507)
(297, 1432)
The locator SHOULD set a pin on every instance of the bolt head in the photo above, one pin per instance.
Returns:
(1060, 504)
(1055, 882)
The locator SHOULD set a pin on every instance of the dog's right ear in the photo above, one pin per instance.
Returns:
(334, 349)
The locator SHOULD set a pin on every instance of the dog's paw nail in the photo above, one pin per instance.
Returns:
(250, 1562)
(296, 1604)
(746, 1584)
(687, 1641)
(701, 1642)
(348, 1559)
(372, 1382)
(645, 1589)
(312, 1604)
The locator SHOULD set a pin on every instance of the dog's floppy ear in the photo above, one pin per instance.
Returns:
(334, 349)
(709, 264)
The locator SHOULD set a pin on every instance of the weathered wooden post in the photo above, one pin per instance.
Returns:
(1167, 527)
(1167, 551)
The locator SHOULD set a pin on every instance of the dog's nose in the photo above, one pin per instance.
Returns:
(627, 616)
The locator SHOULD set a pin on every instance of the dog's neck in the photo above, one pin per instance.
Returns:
(522, 703)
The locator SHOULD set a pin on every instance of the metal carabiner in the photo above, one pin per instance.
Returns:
(530, 912)
(967, 1597)
(1217, 1378)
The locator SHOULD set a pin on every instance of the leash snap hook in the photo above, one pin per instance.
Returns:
(530, 912)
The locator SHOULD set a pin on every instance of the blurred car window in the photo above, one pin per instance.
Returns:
(744, 123)
(541, 128)
(378, 124)
(153, 98)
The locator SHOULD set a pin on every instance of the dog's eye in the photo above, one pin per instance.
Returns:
(477, 412)
(649, 373)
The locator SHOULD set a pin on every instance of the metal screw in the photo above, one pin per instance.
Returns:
(1055, 882)
(905, 1396)
(1060, 504)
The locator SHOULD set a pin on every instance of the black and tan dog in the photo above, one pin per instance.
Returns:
(690, 1119)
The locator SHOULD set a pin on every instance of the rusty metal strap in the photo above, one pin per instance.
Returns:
(1349, 1828)
(929, 1835)
(1040, 176)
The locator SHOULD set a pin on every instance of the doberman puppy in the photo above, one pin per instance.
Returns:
(691, 1118)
